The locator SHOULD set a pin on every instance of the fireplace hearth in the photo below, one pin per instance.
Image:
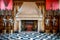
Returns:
(29, 25)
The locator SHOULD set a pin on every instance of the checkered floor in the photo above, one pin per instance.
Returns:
(30, 36)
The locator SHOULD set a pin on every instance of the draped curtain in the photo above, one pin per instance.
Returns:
(0, 4)
(6, 4)
(48, 4)
(59, 4)
(55, 4)
(52, 4)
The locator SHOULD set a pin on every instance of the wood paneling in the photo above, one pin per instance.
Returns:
(1, 24)
(53, 21)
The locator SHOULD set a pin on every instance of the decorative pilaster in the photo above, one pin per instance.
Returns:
(19, 25)
(39, 25)
(15, 25)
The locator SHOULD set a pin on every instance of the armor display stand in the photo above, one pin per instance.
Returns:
(55, 25)
(11, 25)
(47, 22)
(47, 25)
(54, 22)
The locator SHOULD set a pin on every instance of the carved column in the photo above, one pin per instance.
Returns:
(15, 25)
(19, 25)
(39, 25)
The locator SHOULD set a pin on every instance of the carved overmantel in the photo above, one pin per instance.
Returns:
(29, 11)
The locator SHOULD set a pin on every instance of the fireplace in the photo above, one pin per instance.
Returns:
(29, 25)
(28, 18)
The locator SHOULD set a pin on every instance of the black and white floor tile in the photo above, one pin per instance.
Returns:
(30, 36)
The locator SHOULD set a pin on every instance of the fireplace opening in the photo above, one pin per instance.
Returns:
(29, 25)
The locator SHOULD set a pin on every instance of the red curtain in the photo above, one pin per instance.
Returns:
(48, 4)
(55, 4)
(0, 4)
(6, 1)
(59, 4)
(10, 5)
(3, 4)
(52, 4)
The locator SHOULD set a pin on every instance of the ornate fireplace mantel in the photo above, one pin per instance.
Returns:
(28, 11)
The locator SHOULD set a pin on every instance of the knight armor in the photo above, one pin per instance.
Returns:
(4, 20)
(54, 21)
(47, 22)
(11, 21)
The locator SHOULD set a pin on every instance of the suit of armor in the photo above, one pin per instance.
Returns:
(4, 20)
(54, 21)
(47, 22)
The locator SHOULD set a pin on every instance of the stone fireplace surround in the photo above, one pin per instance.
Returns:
(18, 22)
(28, 14)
